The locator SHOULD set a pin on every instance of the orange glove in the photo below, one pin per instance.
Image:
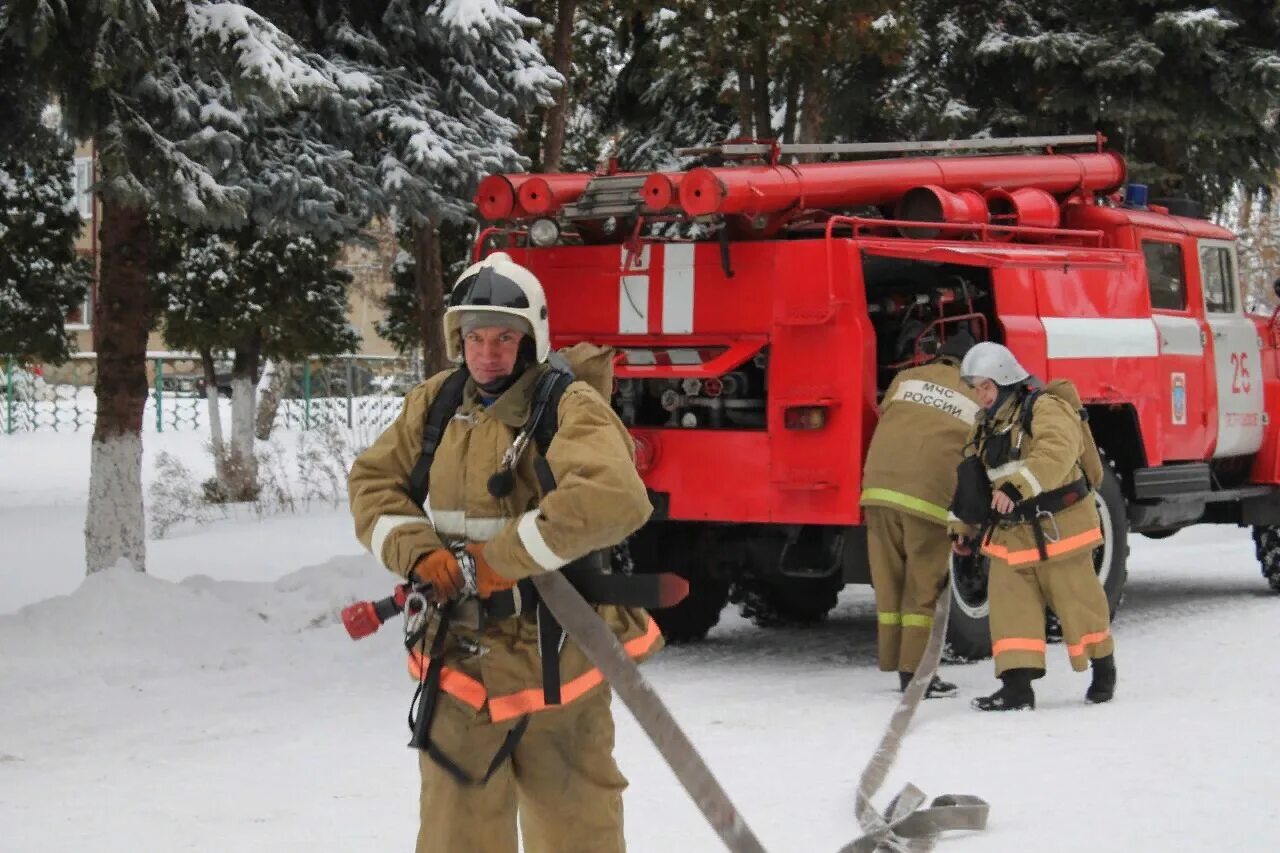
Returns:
(440, 569)
(488, 581)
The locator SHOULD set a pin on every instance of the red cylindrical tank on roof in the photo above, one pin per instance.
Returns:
(931, 203)
(1026, 206)
(752, 190)
(496, 196)
(543, 194)
(661, 191)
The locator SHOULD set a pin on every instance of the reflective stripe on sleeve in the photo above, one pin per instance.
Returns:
(1036, 488)
(1008, 469)
(383, 528)
(531, 539)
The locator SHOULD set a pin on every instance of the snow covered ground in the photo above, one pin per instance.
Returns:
(216, 704)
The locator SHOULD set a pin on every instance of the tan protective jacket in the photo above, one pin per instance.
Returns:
(925, 420)
(599, 500)
(1051, 457)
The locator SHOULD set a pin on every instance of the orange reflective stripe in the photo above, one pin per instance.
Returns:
(458, 684)
(644, 643)
(528, 701)
(1017, 644)
(1077, 650)
(1053, 549)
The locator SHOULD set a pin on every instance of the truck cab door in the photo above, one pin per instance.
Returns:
(1236, 352)
(1185, 376)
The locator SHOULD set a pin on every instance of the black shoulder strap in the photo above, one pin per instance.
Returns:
(1029, 403)
(439, 413)
(544, 417)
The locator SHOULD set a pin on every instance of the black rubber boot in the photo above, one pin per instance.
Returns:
(937, 689)
(1015, 694)
(1103, 686)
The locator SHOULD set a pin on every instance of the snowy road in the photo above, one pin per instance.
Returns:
(139, 713)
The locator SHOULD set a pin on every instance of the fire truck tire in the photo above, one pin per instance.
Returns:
(689, 551)
(969, 634)
(691, 619)
(1266, 542)
(787, 601)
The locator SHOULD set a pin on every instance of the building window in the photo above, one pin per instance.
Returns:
(81, 319)
(1217, 273)
(84, 180)
(1165, 278)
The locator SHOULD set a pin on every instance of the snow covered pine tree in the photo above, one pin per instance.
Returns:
(169, 92)
(454, 80)
(41, 280)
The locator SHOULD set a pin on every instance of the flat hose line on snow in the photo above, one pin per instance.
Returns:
(904, 827)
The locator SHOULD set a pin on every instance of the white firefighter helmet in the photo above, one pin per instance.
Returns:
(989, 360)
(497, 285)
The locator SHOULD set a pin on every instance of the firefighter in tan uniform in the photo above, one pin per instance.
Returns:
(909, 478)
(497, 747)
(1041, 465)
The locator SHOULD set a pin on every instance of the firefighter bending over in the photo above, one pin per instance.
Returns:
(1025, 497)
(908, 481)
(516, 718)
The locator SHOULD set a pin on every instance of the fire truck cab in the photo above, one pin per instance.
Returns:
(759, 309)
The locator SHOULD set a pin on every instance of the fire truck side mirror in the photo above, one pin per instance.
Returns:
(1276, 286)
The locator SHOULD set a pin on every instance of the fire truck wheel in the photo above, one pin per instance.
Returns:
(1266, 542)
(787, 600)
(689, 551)
(691, 619)
(969, 634)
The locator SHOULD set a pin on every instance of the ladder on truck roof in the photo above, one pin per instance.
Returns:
(775, 149)
(607, 195)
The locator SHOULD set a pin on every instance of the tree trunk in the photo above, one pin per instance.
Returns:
(428, 275)
(215, 416)
(562, 59)
(275, 375)
(793, 106)
(746, 101)
(813, 115)
(760, 88)
(241, 463)
(115, 526)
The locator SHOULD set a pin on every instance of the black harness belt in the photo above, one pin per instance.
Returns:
(1035, 510)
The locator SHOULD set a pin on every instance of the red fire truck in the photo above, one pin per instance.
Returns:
(760, 307)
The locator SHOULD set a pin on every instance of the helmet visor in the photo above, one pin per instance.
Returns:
(488, 288)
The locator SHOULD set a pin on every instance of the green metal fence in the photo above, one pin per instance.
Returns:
(360, 392)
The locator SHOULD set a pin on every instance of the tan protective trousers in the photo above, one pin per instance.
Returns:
(910, 560)
(562, 777)
(1018, 597)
